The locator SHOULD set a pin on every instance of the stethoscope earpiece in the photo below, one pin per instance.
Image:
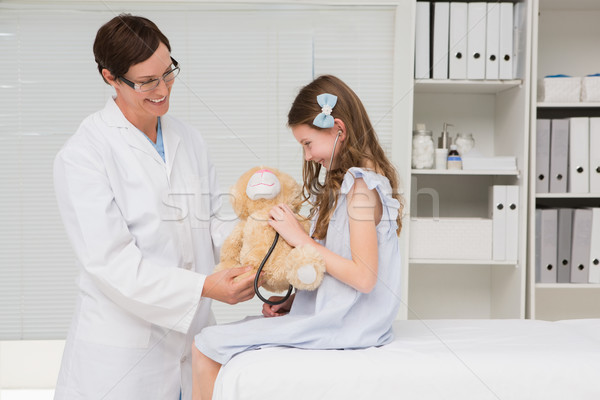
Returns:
(333, 150)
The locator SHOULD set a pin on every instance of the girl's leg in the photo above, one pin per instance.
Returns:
(204, 372)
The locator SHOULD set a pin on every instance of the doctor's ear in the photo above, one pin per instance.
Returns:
(108, 77)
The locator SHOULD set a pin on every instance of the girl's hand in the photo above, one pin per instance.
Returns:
(283, 220)
(280, 309)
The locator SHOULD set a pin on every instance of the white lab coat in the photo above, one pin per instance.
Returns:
(143, 233)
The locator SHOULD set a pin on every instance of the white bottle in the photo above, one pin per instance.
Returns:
(441, 158)
(454, 160)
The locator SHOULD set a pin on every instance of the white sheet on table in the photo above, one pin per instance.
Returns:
(435, 359)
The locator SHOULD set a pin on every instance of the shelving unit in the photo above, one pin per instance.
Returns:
(497, 114)
(461, 262)
(567, 105)
(562, 35)
(464, 86)
(567, 196)
(459, 172)
(574, 286)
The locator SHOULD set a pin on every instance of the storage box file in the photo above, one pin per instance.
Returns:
(590, 88)
(559, 90)
(451, 238)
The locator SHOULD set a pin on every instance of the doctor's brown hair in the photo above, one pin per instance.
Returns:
(360, 145)
(124, 41)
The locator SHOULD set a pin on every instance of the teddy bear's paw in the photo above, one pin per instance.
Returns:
(307, 274)
(304, 277)
(305, 268)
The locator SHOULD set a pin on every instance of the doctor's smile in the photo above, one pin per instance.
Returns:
(158, 100)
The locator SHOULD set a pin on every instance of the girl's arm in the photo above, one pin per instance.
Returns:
(364, 211)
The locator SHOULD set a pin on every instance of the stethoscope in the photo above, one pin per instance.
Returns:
(262, 264)
(266, 257)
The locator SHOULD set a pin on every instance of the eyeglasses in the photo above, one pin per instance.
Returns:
(153, 83)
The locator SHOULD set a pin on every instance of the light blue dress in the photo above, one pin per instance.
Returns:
(335, 316)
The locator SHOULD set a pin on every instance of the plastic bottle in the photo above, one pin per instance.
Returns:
(444, 141)
(454, 160)
(441, 158)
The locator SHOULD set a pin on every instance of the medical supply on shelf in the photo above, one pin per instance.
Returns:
(464, 143)
(444, 141)
(422, 148)
(454, 160)
(441, 158)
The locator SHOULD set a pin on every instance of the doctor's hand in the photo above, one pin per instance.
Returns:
(223, 286)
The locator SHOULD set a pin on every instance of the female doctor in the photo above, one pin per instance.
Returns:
(138, 196)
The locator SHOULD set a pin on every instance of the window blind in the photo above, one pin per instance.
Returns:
(242, 65)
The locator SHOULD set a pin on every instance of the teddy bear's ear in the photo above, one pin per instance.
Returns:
(238, 202)
(291, 191)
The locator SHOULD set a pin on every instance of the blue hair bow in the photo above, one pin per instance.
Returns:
(327, 102)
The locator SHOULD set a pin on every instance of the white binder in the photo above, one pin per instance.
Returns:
(542, 156)
(457, 52)
(441, 21)
(565, 223)
(506, 41)
(492, 46)
(594, 275)
(580, 245)
(579, 155)
(559, 155)
(594, 155)
(497, 209)
(546, 225)
(476, 40)
(422, 40)
(512, 222)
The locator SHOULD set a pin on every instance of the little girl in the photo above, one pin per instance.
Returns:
(357, 212)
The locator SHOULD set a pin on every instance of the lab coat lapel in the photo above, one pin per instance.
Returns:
(113, 117)
(138, 139)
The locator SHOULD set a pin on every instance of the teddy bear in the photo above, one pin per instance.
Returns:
(252, 197)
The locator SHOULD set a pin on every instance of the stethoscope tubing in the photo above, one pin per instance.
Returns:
(262, 264)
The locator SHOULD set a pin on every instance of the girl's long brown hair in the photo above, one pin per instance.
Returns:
(359, 148)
